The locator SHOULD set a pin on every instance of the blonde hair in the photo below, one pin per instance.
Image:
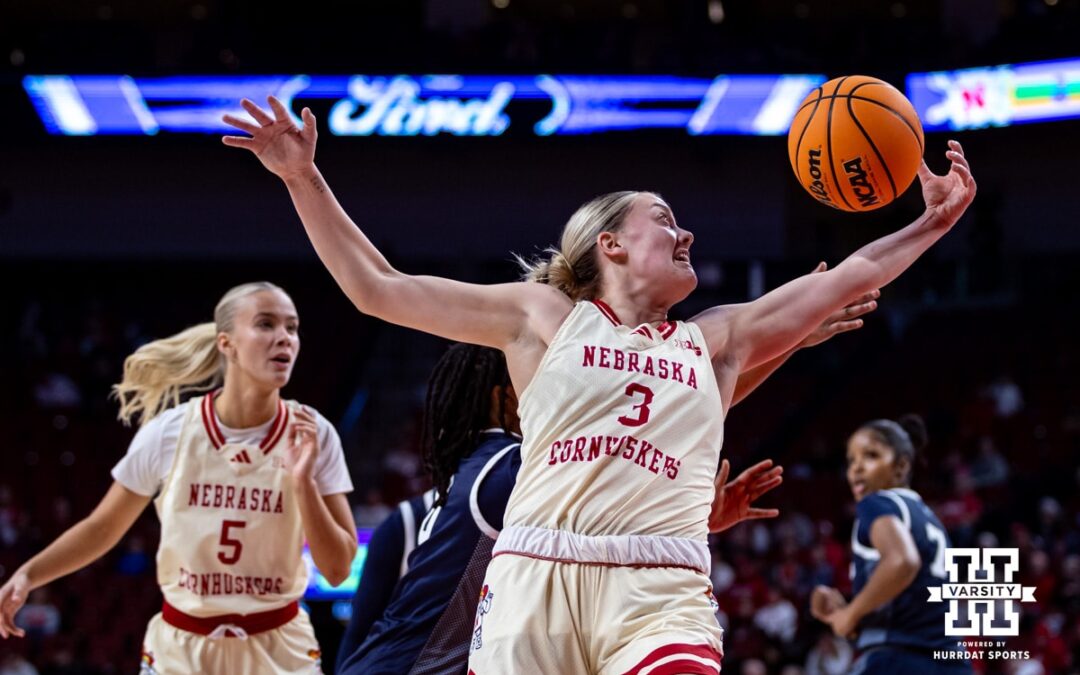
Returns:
(573, 267)
(159, 373)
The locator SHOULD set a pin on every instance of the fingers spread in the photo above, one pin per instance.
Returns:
(725, 469)
(256, 112)
(309, 130)
(240, 124)
(925, 173)
(753, 514)
(239, 142)
(280, 113)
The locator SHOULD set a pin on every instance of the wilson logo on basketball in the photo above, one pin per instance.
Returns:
(817, 186)
(860, 182)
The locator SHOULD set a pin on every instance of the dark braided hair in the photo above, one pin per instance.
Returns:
(458, 408)
(906, 436)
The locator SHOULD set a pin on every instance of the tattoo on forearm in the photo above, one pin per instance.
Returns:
(318, 184)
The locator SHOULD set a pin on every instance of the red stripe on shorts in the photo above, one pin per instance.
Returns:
(679, 666)
(259, 622)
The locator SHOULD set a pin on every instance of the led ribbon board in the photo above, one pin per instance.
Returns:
(997, 96)
(428, 105)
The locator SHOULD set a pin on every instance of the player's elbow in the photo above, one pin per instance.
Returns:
(339, 569)
(374, 295)
(336, 577)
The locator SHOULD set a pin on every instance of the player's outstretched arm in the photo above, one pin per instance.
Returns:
(842, 321)
(745, 336)
(82, 544)
(488, 315)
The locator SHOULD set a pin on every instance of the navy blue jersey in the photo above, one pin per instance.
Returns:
(448, 537)
(386, 562)
(909, 620)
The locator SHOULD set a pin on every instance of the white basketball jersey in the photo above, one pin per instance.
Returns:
(622, 430)
(231, 533)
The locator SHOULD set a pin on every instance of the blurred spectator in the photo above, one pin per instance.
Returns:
(778, 618)
(39, 617)
(990, 469)
(1006, 396)
(371, 510)
(134, 561)
(57, 391)
(13, 664)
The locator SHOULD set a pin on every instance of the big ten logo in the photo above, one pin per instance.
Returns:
(981, 593)
(817, 187)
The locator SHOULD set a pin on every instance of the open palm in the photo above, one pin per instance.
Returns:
(948, 196)
(281, 147)
(732, 502)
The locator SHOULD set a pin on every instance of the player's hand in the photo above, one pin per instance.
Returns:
(732, 501)
(844, 320)
(948, 196)
(12, 597)
(824, 601)
(843, 622)
(282, 148)
(302, 450)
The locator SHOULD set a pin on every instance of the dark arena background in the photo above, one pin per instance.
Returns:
(123, 218)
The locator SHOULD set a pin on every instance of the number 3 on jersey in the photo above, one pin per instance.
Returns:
(235, 546)
(642, 409)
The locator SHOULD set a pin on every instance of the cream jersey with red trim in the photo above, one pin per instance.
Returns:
(231, 533)
(622, 430)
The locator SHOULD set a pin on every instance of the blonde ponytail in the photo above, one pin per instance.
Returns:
(573, 268)
(160, 373)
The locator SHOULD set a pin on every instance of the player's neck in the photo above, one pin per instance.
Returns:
(241, 407)
(634, 312)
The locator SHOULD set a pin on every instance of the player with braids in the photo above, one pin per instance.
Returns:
(468, 390)
(622, 409)
(898, 554)
(239, 478)
(470, 441)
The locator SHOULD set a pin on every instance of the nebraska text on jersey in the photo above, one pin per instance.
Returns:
(635, 362)
(213, 496)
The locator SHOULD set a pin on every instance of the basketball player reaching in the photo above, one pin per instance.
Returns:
(602, 563)
(898, 548)
(470, 444)
(239, 478)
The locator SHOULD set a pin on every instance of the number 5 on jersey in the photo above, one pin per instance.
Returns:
(233, 545)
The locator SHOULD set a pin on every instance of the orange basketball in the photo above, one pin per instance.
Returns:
(855, 143)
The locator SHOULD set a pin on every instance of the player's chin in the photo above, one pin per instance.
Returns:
(278, 378)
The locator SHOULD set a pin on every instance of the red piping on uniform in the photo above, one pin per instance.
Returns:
(276, 429)
(607, 311)
(681, 665)
(259, 622)
(210, 421)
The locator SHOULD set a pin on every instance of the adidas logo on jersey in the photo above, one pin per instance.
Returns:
(241, 457)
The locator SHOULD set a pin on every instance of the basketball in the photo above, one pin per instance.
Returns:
(855, 143)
